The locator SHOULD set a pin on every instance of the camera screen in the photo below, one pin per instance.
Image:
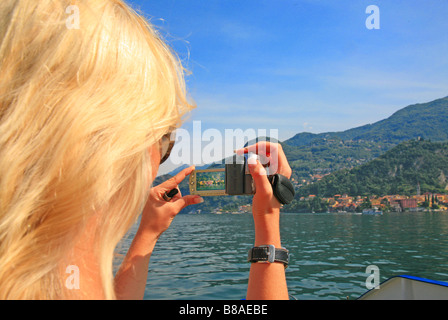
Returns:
(206, 181)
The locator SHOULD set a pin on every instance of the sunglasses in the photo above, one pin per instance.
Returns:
(166, 145)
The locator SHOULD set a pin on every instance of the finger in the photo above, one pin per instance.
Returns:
(187, 201)
(267, 149)
(178, 178)
(267, 155)
(259, 147)
(278, 163)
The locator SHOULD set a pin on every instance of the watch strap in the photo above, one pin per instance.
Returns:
(268, 253)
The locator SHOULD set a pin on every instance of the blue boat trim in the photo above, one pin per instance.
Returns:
(440, 283)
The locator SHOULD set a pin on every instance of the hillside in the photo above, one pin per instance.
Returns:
(408, 123)
(310, 154)
(398, 171)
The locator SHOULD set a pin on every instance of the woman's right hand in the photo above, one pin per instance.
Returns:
(265, 206)
(267, 281)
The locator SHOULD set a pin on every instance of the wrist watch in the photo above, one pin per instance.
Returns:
(268, 254)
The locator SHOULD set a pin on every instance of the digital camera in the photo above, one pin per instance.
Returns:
(234, 179)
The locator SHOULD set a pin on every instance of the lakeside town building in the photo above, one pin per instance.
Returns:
(396, 203)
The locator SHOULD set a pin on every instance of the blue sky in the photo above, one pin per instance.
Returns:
(304, 65)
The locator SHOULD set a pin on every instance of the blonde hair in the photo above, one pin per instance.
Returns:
(79, 110)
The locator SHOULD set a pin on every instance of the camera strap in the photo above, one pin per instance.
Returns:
(282, 187)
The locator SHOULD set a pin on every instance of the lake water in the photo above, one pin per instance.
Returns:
(204, 256)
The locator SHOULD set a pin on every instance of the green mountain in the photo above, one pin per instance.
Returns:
(426, 120)
(310, 154)
(399, 171)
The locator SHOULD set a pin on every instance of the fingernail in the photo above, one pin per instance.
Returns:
(198, 200)
(240, 151)
(252, 159)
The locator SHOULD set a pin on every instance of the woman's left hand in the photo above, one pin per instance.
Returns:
(130, 280)
(159, 213)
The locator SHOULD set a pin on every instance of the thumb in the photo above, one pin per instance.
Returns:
(186, 201)
(259, 175)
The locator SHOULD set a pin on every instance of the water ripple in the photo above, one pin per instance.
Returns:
(203, 256)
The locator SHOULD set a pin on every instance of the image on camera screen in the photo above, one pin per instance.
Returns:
(210, 181)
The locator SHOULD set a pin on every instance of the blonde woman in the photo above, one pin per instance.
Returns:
(85, 112)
